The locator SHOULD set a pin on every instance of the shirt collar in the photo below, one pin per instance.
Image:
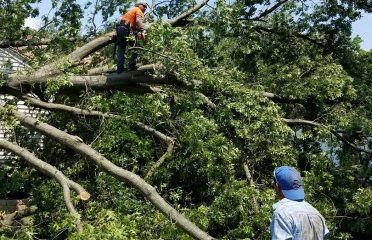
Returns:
(283, 201)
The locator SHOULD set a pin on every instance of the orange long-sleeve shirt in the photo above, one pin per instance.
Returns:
(135, 18)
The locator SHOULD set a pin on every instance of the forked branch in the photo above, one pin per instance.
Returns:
(78, 111)
(53, 172)
(161, 160)
(148, 191)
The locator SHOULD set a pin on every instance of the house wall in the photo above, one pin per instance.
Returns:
(10, 62)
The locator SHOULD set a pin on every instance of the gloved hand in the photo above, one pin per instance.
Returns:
(142, 35)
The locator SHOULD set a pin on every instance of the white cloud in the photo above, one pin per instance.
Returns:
(34, 23)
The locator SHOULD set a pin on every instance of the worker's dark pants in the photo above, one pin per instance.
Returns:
(122, 32)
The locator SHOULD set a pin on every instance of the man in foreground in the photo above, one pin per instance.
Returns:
(130, 22)
(293, 217)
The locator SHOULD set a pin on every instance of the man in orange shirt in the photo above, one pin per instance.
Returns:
(131, 21)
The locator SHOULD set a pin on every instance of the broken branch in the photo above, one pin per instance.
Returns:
(131, 178)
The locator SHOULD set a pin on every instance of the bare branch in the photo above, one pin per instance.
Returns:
(352, 145)
(339, 136)
(207, 101)
(151, 9)
(281, 98)
(301, 121)
(268, 11)
(24, 43)
(250, 180)
(156, 133)
(70, 206)
(21, 210)
(298, 35)
(186, 14)
(79, 111)
(50, 171)
(133, 179)
(248, 174)
(161, 160)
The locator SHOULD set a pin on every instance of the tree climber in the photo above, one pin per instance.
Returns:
(130, 22)
(293, 217)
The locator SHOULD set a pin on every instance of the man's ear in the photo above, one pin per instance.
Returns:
(278, 191)
(277, 187)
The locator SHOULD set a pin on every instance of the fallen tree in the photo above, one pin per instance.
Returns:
(213, 108)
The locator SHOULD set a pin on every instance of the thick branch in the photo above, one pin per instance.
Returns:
(50, 171)
(281, 98)
(79, 111)
(112, 81)
(155, 133)
(21, 211)
(343, 139)
(134, 180)
(73, 59)
(207, 101)
(159, 54)
(76, 56)
(99, 70)
(268, 11)
(24, 43)
(186, 14)
(44, 167)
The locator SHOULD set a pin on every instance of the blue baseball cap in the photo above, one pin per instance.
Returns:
(289, 181)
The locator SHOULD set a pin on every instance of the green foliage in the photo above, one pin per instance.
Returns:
(13, 15)
(301, 52)
(233, 214)
(54, 85)
(362, 202)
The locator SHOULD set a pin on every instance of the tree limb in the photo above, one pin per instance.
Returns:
(186, 14)
(99, 70)
(133, 179)
(72, 59)
(298, 35)
(281, 98)
(339, 136)
(24, 43)
(80, 53)
(79, 111)
(268, 11)
(160, 161)
(301, 121)
(112, 81)
(53, 172)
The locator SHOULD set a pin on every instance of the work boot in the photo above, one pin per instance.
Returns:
(120, 70)
(132, 68)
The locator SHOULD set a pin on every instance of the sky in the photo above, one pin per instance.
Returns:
(362, 27)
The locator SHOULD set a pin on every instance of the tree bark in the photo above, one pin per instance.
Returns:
(52, 69)
(160, 161)
(134, 180)
(174, 21)
(102, 82)
(78, 111)
(53, 172)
